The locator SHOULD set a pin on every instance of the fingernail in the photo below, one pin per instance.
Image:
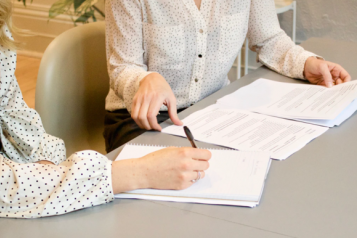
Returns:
(329, 84)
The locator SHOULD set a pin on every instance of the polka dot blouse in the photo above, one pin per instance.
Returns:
(29, 189)
(192, 49)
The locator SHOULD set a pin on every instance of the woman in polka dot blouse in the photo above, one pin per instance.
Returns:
(37, 180)
(163, 55)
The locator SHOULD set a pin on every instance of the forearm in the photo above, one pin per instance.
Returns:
(50, 149)
(83, 180)
(125, 83)
(124, 43)
(283, 56)
(276, 50)
(169, 168)
(128, 175)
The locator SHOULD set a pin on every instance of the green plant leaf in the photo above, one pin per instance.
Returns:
(86, 5)
(24, 2)
(60, 7)
(82, 9)
(84, 17)
(77, 3)
(99, 11)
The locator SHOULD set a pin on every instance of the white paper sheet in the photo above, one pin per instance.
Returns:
(233, 178)
(343, 116)
(288, 100)
(248, 131)
(189, 200)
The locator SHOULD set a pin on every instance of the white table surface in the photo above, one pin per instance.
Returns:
(311, 194)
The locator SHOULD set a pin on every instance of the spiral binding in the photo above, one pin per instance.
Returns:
(163, 146)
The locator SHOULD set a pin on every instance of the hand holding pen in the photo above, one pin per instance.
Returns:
(192, 141)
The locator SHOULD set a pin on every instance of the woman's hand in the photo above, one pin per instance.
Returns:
(169, 168)
(153, 92)
(325, 73)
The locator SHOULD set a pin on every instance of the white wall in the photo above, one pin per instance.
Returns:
(336, 19)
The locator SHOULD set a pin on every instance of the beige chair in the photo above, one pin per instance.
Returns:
(72, 85)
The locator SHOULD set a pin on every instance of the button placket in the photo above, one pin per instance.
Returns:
(198, 69)
(201, 44)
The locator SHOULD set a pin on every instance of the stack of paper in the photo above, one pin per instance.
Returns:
(247, 131)
(303, 102)
(233, 178)
(251, 118)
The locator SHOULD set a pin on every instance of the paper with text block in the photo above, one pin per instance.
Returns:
(343, 116)
(289, 100)
(247, 131)
(233, 178)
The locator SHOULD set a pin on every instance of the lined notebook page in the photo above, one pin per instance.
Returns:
(232, 175)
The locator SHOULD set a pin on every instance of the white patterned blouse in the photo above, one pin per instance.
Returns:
(29, 189)
(192, 49)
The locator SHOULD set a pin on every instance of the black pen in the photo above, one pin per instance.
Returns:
(189, 136)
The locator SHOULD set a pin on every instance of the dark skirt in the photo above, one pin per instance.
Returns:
(119, 127)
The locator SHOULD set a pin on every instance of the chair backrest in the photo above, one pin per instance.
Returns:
(72, 85)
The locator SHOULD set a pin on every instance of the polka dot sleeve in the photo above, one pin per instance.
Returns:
(125, 54)
(36, 190)
(276, 50)
(22, 136)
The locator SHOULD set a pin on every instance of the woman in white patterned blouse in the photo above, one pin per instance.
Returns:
(163, 55)
(37, 180)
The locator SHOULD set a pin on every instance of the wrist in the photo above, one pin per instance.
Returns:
(149, 77)
(128, 175)
(307, 63)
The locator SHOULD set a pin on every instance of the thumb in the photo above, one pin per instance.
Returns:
(326, 74)
(172, 109)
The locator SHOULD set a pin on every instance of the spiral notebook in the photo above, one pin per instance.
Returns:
(233, 178)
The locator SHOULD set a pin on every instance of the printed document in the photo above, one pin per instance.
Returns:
(295, 101)
(247, 131)
(233, 178)
(343, 116)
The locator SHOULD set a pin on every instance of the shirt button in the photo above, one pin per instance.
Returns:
(201, 31)
(196, 80)
(200, 56)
